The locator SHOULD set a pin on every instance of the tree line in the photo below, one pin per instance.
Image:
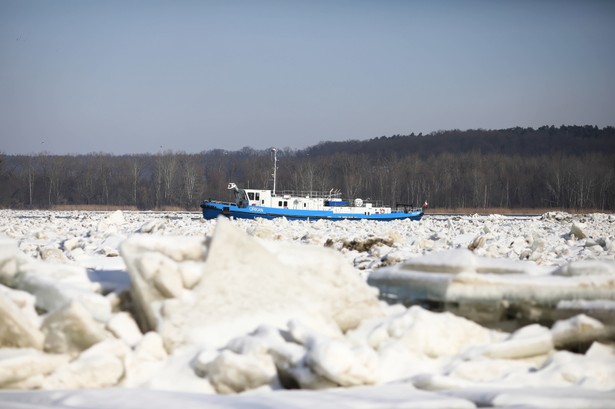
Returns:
(549, 167)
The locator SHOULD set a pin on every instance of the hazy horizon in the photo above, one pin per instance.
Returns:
(144, 76)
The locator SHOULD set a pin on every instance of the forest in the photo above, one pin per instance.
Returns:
(566, 167)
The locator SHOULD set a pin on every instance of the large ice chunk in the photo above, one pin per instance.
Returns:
(526, 342)
(231, 372)
(453, 261)
(55, 285)
(243, 284)
(16, 330)
(71, 329)
(147, 360)
(8, 260)
(467, 283)
(100, 366)
(153, 262)
(26, 303)
(26, 367)
(124, 327)
(579, 329)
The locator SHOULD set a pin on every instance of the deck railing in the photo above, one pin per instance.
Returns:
(333, 194)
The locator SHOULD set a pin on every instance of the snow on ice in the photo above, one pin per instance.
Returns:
(162, 309)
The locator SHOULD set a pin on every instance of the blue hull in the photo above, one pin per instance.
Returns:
(212, 210)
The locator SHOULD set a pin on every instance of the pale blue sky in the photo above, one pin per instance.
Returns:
(132, 76)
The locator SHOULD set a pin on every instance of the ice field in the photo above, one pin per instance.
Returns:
(145, 309)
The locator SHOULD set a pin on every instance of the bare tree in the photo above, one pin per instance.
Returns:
(166, 170)
(191, 177)
(136, 170)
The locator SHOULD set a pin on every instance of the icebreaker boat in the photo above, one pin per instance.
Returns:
(269, 204)
(253, 203)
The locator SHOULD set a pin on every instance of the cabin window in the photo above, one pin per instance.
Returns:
(251, 195)
(305, 205)
(285, 203)
(257, 196)
(280, 203)
(263, 201)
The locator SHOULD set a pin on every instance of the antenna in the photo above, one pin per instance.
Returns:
(275, 167)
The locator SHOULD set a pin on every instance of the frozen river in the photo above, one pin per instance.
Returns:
(164, 309)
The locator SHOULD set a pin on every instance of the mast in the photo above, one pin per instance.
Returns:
(275, 166)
